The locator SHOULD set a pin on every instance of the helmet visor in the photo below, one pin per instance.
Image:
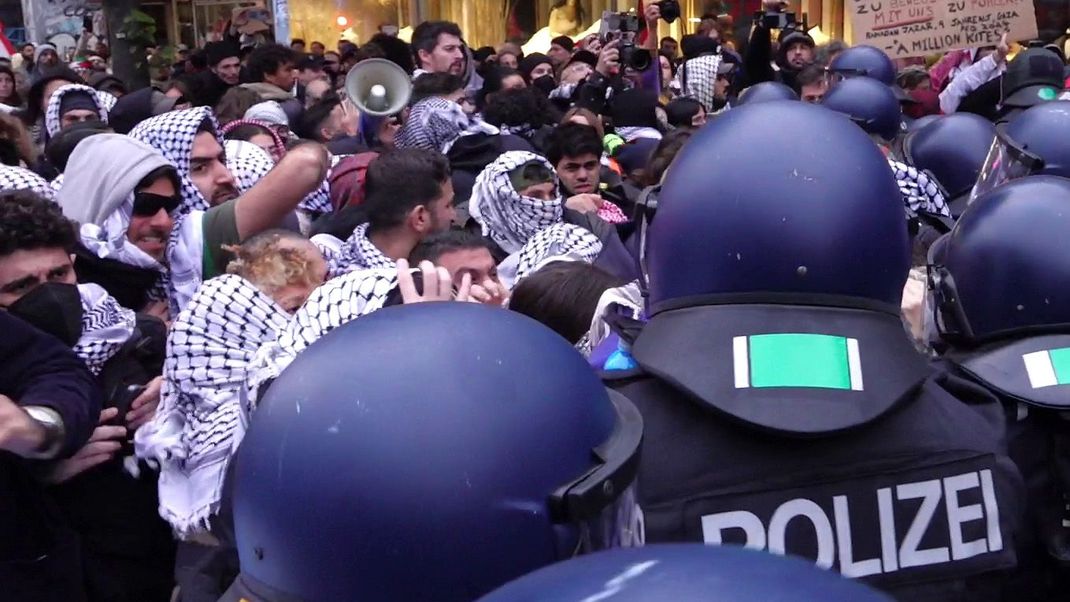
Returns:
(1006, 161)
(600, 509)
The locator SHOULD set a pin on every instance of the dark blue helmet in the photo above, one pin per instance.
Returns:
(431, 452)
(1005, 268)
(1000, 288)
(869, 103)
(1034, 142)
(863, 61)
(765, 92)
(735, 219)
(684, 573)
(953, 150)
(916, 124)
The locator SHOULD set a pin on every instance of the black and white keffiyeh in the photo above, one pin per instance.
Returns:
(17, 178)
(172, 135)
(560, 242)
(318, 201)
(358, 253)
(697, 77)
(337, 302)
(109, 241)
(52, 116)
(921, 193)
(209, 348)
(436, 123)
(106, 326)
(247, 162)
(106, 100)
(508, 218)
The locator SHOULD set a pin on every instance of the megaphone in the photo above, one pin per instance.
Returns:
(378, 87)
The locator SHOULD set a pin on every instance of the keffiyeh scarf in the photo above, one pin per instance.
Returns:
(247, 162)
(106, 326)
(208, 351)
(109, 241)
(172, 135)
(337, 302)
(17, 178)
(436, 123)
(358, 253)
(52, 116)
(696, 79)
(508, 218)
(921, 193)
(560, 242)
(318, 201)
(185, 256)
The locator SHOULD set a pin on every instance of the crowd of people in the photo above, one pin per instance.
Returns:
(263, 343)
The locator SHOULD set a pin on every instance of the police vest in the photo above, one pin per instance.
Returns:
(918, 497)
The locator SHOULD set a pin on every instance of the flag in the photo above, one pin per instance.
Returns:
(797, 360)
(1048, 368)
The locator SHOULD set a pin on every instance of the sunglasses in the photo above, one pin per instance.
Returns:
(147, 204)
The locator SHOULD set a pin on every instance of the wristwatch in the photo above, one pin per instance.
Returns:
(53, 425)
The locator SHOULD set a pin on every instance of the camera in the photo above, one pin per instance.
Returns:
(776, 20)
(624, 27)
(670, 10)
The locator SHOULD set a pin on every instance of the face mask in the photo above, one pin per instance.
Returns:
(53, 307)
(546, 84)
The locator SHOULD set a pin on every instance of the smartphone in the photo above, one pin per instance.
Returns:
(123, 398)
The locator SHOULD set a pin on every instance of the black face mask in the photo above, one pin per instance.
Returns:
(53, 307)
(545, 84)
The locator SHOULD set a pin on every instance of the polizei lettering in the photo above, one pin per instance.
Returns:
(918, 523)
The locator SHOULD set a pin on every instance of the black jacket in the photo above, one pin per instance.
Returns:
(38, 553)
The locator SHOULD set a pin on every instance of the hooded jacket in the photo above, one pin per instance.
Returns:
(53, 118)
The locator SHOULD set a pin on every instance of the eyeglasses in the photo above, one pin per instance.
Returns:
(147, 204)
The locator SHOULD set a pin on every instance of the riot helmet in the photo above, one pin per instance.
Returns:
(766, 92)
(916, 124)
(1000, 286)
(405, 456)
(1032, 143)
(869, 103)
(758, 257)
(1033, 77)
(685, 573)
(863, 61)
(953, 150)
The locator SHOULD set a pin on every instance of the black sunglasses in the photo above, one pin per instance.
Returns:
(147, 204)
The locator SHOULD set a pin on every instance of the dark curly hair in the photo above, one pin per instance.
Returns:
(520, 106)
(28, 221)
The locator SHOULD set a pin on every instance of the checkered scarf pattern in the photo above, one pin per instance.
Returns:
(172, 135)
(337, 302)
(436, 123)
(17, 178)
(700, 74)
(560, 242)
(106, 326)
(209, 348)
(52, 116)
(56, 184)
(106, 100)
(921, 193)
(359, 253)
(280, 145)
(508, 218)
(247, 162)
(318, 201)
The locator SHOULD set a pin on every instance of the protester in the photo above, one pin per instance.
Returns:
(273, 73)
(8, 91)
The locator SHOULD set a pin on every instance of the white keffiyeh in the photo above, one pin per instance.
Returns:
(318, 201)
(53, 123)
(358, 252)
(921, 193)
(172, 134)
(17, 178)
(560, 242)
(185, 254)
(209, 348)
(697, 77)
(508, 218)
(247, 162)
(436, 123)
(337, 302)
(109, 241)
(106, 326)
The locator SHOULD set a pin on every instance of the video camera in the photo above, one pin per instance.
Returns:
(776, 19)
(624, 27)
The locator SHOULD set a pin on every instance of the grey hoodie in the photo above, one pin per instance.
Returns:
(101, 175)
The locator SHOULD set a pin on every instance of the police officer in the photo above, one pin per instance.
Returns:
(1008, 329)
(870, 104)
(683, 573)
(953, 149)
(765, 92)
(430, 452)
(784, 407)
(1034, 143)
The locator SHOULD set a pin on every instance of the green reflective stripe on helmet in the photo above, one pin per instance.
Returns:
(797, 360)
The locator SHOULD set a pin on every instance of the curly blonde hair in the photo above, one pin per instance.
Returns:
(270, 267)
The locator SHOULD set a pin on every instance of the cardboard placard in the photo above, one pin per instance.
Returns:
(908, 28)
